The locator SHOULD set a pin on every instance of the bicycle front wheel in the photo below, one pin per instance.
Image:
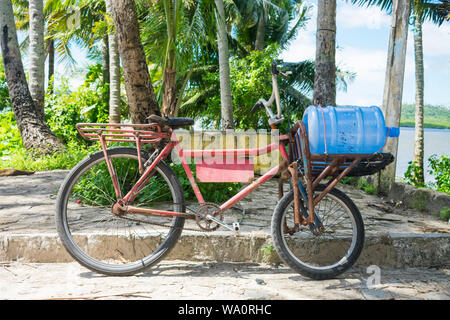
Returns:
(117, 245)
(320, 254)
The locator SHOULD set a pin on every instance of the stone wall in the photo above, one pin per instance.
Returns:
(420, 198)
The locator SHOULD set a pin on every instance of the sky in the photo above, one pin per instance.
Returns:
(362, 39)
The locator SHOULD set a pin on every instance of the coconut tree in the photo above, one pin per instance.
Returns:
(139, 89)
(55, 14)
(37, 54)
(259, 22)
(114, 71)
(421, 10)
(325, 75)
(224, 67)
(35, 133)
(174, 35)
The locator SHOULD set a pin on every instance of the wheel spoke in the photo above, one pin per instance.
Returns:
(318, 253)
(128, 244)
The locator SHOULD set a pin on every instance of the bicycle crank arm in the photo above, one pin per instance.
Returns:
(235, 227)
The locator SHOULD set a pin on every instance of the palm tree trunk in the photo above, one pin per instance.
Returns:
(140, 94)
(105, 58)
(261, 32)
(114, 74)
(419, 134)
(325, 74)
(224, 68)
(35, 133)
(51, 64)
(169, 105)
(37, 53)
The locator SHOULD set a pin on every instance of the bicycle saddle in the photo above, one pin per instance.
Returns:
(171, 122)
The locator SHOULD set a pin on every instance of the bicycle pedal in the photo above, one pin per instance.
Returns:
(236, 228)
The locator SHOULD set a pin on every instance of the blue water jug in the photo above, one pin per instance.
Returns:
(343, 130)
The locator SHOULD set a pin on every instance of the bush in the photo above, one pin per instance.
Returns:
(445, 214)
(23, 159)
(10, 139)
(440, 168)
(412, 175)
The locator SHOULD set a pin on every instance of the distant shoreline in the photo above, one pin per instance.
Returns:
(426, 126)
(407, 124)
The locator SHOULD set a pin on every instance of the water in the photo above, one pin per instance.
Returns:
(437, 141)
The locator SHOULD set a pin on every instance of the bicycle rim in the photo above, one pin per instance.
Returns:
(111, 244)
(337, 246)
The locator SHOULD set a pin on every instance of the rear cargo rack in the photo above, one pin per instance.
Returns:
(136, 133)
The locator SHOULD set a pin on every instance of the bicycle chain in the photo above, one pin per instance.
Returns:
(169, 226)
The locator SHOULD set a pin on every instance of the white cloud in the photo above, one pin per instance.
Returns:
(370, 66)
(350, 16)
(436, 40)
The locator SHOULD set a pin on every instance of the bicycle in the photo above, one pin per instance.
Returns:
(138, 211)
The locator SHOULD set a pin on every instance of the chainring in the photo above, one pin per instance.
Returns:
(211, 209)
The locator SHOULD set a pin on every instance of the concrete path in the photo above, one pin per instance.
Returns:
(184, 280)
(410, 249)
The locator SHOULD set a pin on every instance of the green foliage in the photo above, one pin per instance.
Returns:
(440, 168)
(22, 159)
(96, 187)
(367, 187)
(89, 103)
(10, 139)
(413, 174)
(445, 214)
(250, 81)
(5, 102)
(434, 116)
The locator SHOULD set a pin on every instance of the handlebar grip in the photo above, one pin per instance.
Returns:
(274, 68)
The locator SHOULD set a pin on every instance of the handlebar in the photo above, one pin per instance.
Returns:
(278, 118)
(276, 72)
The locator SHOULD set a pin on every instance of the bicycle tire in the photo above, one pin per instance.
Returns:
(325, 250)
(82, 254)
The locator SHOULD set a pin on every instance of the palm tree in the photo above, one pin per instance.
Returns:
(35, 133)
(325, 75)
(224, 67)
(259, 22)
(37, 55)
(422, 10)
(140, 93)
(114, 72)
(173, 34)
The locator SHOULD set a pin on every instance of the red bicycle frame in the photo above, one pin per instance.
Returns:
(124, 203)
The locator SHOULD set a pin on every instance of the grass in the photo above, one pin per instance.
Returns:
(20, 159)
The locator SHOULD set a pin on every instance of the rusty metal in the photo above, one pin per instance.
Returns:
(333, 183)
(293, 169)
(316, 167)
(154, 212)
(148, 133)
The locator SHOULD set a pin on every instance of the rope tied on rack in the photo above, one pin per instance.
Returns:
(324, 130)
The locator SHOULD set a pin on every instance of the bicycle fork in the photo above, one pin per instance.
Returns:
(301, 215)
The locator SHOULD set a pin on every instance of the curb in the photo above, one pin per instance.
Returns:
(387, 250)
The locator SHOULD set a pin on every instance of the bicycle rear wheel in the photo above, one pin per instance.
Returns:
(114, 244)
(319, 254)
